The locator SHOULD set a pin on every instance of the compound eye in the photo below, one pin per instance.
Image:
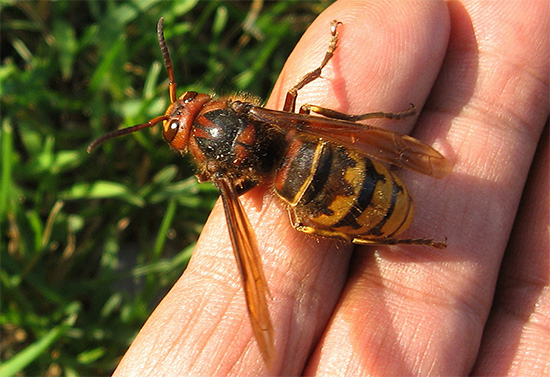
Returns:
(171, 131)
(189, 96)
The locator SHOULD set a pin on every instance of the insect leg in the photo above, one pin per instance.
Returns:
(329, 113)
(298, 224)
(401, 241)
(292, 94)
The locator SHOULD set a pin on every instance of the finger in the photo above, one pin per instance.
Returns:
(515, 340)
(377, 66)
(202, 326)
(346, 86)
(360, 67)
(410, 311)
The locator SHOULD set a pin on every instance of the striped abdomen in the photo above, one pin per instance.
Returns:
(337, 192)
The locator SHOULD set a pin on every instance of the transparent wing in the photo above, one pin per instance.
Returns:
(389, 146)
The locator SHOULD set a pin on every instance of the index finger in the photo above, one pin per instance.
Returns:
(202, 325)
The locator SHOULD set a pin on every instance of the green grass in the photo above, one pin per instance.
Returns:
(91, 243)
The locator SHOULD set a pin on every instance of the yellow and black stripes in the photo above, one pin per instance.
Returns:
(337, 192)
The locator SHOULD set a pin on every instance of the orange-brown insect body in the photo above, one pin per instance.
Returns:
(221, 141)
(335, 191)
(328, 170)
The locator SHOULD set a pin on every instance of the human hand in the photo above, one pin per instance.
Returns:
(401, 310)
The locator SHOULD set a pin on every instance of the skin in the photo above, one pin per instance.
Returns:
(478, 71)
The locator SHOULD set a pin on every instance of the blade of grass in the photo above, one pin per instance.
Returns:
(17, 363)
(164, 227)
(7, 159)
(102, 190)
